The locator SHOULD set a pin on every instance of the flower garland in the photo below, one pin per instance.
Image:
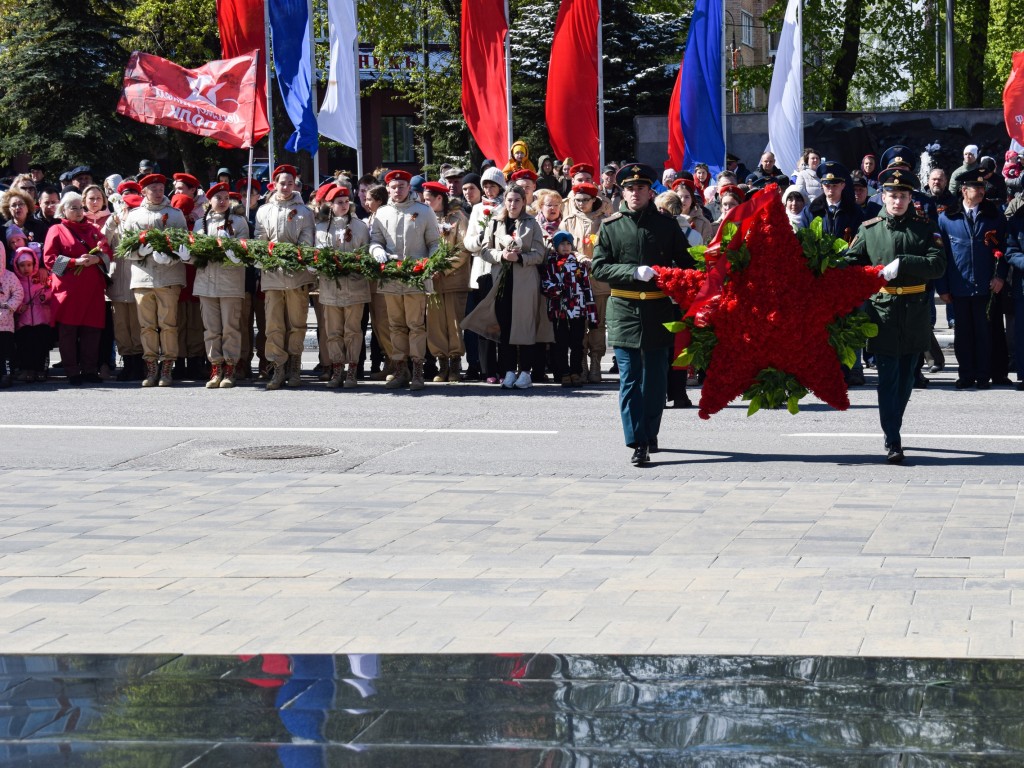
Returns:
(330, 262)
(770, 316)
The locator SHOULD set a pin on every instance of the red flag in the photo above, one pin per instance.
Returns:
(484, 92)
(571, 108)
(242, 30)
(676, 143)
(215, 100)
(1013, 99)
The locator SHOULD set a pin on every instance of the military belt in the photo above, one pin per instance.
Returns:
(638, 295)
(903, 289)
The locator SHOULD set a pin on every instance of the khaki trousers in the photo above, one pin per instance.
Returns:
(222, 319)
(190, 330)
(344, 333)
(407, 318)
(379, 321)
(321, 332)
(444, 316)
(158, 321)
(127, 331)
(594, 342)
(286, 323)
(255, 312)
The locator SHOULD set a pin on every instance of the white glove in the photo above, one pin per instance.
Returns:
(145, 249)
(381, 258)
(311, 270)
(183, 253)
(231, 257)
(644, 273)
(161, 258)
(889, 270)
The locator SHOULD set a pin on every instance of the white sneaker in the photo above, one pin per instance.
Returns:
(524, 381)
(509, 381)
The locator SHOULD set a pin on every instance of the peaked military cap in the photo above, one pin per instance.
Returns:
(636, 173)
(897, 178)
(898, 156)
(832, 172)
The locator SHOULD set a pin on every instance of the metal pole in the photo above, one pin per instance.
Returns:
(950, 96)
(938, 48)
(270, 87)
(314, 82)
(508, 77)
(600, 85)
(359, 100)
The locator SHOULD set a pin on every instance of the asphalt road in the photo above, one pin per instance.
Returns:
(477, 429)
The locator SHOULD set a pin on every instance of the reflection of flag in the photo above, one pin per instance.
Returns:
(339, 113)
(700, 98)
(571, 104)
(1013, 99)
(484, 92)
(293, 54)
(242, 30)
(786, 98)
(676, 143)
(215, 100)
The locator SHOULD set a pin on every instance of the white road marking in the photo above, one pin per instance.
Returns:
(914, 436)
(327, 430)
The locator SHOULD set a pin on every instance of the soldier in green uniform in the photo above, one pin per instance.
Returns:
(911, 253)
(630, 243)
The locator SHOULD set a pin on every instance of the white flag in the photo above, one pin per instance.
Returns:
(339, 114)
(786, 98)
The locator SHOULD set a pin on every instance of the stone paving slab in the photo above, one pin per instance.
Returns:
(221, 563)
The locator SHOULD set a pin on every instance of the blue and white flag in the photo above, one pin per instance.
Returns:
(701, 99)
(293, 61)
(339, 114)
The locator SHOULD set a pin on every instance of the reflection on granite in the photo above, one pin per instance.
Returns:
(314, 711)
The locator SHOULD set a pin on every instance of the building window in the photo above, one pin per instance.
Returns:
(398, 140)
(746, 29)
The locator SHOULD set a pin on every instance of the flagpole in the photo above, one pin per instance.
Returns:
(359, 100)
(270, 87)
(800, 53)
(600, 85)
(508, 75)
(314, 82)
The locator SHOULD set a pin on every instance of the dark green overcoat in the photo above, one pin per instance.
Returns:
(904, 321)
(627, 240)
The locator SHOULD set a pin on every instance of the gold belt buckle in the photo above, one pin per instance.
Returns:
(643, 295)
(899, 290)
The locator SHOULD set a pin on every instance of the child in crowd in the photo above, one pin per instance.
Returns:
(33, 333)
(518, 160)
(571, 306)
(11, 296)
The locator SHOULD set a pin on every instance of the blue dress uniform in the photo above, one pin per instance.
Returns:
(628, 244)
(901, 310)
(843, 219)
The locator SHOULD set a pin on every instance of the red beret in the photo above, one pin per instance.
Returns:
(222, 187)
(586, 188)
(132, 199)
(128, 186)
(243, 184)
(731, 189)
(235, 196)
(152, 178)
(285, 168)
(683, 182)
(526, 173)
(187, 178)
(435, 186)
(397, 176)
(323, 191)
(581, 168)
(183, 203)
(336, 192)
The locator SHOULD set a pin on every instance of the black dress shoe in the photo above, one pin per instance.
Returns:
(964, 384)
(641, 456)
(936, 368)
(1003, 381)
(1020, 386)
(76, 380)
(92, 378)
(895, 455)
(920, 382)
(854, 379)
(682, 402)
(652, 447)
(984, 385)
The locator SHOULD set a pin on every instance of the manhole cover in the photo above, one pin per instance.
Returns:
(279, 452)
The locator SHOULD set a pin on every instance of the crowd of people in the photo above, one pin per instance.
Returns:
(519, 305)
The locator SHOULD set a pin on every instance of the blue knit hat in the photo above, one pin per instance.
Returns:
(560, 237)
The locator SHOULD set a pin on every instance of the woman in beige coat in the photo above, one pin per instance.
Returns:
(343, 299)
(514, 246)
(447, 307)
(686, 189)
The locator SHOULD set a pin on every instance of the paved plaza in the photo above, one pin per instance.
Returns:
(466, 519)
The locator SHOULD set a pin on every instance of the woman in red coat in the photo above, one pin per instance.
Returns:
(78, 255)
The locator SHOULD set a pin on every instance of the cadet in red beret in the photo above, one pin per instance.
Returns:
(152, 178)
(285, 168)
(581, 172)
(399, 176)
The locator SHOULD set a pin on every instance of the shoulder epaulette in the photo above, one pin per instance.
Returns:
(613, 217)
(871, 222)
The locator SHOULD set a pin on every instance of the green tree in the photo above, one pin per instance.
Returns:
(60, 67)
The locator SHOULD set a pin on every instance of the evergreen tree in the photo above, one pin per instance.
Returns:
(60, 75)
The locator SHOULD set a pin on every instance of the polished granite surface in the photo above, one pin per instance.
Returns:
(314, 711)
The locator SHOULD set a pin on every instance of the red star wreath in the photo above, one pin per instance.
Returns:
(770, 316)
